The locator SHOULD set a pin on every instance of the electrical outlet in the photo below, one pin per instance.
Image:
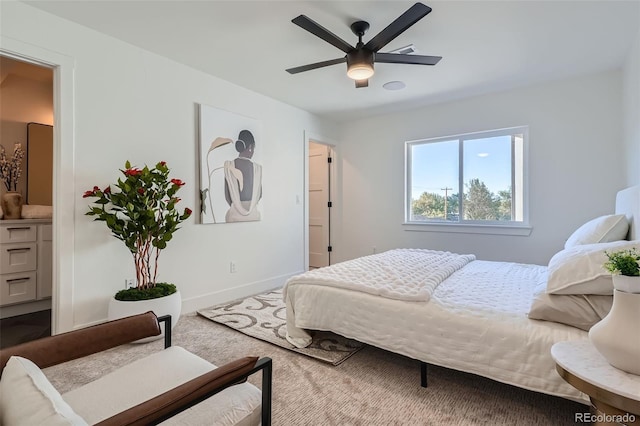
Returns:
(232, 267)
(375, 250)
(129, 283)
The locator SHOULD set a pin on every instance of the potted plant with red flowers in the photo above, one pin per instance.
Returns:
(141, 212)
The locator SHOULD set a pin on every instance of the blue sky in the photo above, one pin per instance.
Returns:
(435, 165)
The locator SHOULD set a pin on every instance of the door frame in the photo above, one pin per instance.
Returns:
(64, 194)
(319, 139)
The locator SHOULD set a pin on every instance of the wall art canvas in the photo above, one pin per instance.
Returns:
(230, 168)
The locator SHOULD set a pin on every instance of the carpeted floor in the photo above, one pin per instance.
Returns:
(373, 387)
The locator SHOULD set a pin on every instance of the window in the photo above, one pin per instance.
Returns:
(470, 179)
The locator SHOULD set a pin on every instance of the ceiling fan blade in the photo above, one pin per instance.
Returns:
(362, 83)
(397, 27)
(320, 31)
(313, 66)
(398, 58)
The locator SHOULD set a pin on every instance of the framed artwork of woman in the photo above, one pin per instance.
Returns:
(230, 174)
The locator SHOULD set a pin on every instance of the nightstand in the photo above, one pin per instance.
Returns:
(614, 393)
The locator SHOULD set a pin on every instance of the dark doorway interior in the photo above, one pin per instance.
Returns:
(24, 328)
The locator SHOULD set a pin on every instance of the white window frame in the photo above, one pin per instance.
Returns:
(522, 228)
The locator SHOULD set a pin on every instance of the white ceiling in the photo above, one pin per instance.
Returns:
(485, 45)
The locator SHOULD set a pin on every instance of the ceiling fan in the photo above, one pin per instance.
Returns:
(360, 59)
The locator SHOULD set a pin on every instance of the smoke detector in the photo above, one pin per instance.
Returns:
(394, 85)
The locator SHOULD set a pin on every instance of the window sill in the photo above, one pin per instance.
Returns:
(517, 230)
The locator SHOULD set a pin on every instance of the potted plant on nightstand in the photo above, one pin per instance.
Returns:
(142, 214)
(624, 266)
(616, 337)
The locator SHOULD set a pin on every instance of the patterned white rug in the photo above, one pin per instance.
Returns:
(264, 317)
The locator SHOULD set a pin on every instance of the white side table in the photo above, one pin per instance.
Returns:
(613, 392)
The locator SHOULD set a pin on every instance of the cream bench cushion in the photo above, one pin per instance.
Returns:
(27, 398)
(164, 370)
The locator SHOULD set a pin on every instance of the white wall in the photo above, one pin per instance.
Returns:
(576, 163)
(631, 86)
(133, 104)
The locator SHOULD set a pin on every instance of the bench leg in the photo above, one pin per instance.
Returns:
(423, 374)
(267, 374)
(166, 319)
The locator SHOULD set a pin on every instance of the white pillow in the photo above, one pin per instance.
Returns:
(27, 398)
(577, 310)
(579, 270)
(603, 229)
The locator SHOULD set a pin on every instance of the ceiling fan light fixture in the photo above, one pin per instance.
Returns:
(360, 64)
(360, 71)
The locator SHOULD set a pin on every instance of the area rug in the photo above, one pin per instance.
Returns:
(264, 317)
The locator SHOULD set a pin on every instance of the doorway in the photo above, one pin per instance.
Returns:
(320, 204)
(64, 196)
(26, 107)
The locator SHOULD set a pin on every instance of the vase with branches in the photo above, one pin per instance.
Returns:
(141, 213)
(10, 167)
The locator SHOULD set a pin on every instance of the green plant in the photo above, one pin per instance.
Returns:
(142, 214)
(159, 290)
(623, 262)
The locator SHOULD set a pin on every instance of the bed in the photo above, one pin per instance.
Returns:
(476, 319)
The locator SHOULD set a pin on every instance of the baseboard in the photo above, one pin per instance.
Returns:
(222, 296)
(25, 308)
(193, 304)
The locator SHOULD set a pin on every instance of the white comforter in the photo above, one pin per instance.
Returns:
(402, 274)
(476, 321)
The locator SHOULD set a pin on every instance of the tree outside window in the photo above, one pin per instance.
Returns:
(477, 178)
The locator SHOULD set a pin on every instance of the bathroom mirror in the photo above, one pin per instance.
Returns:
(39, 164)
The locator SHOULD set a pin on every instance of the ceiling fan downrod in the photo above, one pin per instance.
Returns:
(359, 28)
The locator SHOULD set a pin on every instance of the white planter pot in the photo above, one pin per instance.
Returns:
(616, 337)
(626, 283)
(168, 305)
